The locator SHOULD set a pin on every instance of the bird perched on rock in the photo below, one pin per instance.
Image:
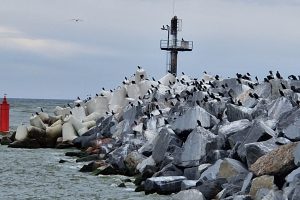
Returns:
(199, 123)
(278, 75)
(292, 77)
(281, 92)
(283, 86)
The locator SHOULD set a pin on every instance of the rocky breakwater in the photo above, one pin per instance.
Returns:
(209, 138)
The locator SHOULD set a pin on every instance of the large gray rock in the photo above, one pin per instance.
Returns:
(164, 184)
(210, 188)
(188, 120)
(231, 128)
(188, 184)
(289, 124)
(192, 194)
(194, 173)
(278, 107)
(164, 140)
(235, 112)
(296, 155)
(199, 142)
(117, 157)
(258, 131)
(257, 149)
(227, 168)
(291, 176)
(169, 170)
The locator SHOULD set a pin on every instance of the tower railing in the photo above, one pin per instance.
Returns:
(179, 45)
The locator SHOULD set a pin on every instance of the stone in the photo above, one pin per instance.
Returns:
(165, 138)
(227, 168)
(272, 195)
(26, 143)
(164, 184)
(191, 194)
(277, 162)
(235, 112)
(199, 142)
(232, 128)
(210, 188)
(188, 184)
(282, 141)
(146, 162)
(255, 133)
(289, 124)
(296, 155)
(193, 173)
(278, 107)
(5, 140)
(169, 170)
(131, 162)
(88, 158)
(188, 120)
(291, 176)
(92, 166)
(247, 183)
(257, 149)
(105, 170)
(258, 183)
(215, 155)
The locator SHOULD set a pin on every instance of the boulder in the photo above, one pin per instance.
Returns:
(227, 168)
(199, 142)
(188, 184)
(188, 120)
(261, 182)
(296, 155)
(193, 173)
(235, 112)
(164, 184)
(164, 140)
(210, 188)
(234, 127)
(278, 107)
(289, 124)
(192, 194)
(256, 150)
(26, 143)
(277, 162)
(146, 162)
(291, 176)
(169, 170)
(132, 160)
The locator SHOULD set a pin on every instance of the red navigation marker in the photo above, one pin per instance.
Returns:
(4, 116)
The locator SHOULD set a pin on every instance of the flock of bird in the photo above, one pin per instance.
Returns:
(193, 85)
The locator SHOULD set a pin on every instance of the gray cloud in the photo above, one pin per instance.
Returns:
(43, 53)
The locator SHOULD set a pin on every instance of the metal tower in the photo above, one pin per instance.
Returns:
(173, 45)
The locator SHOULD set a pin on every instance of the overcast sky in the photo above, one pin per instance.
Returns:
(44, 54)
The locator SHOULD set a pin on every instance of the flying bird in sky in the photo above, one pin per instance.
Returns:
(77, 20)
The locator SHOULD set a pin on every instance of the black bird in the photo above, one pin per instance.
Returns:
(142, 76)
(255, 96)
(157, 107)
(42, 110)
(283, 86)
(103, 88)
(154, 99)
(266, 80)
(251, 86)
(205, 72)
(160, 112)
(248, 74)
(231, 100)
(281, 93)
(217, 77)
(220, 116)
(220, 94)
(239, 81)
(138, 67)
(135, 122)
(218, 99)
(292, 77)
(166, 121)
(256, 78)
(240, 103)
(111, 90)
(199, 123)
(102, 95)
(269, 77)
(239, 75)
(198, 103)
(153, 78)
(172, 104)
(133, 82)
(182, 73)
(278, 75)
(226, 85)
(159, 82)
(271, 72)
(298, 102)
(223, 86)
(251, 95)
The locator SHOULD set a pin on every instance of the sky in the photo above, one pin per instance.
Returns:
(46, 54)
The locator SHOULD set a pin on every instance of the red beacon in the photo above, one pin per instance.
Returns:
(4, 116)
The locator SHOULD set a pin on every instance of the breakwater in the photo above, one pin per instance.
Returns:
(202, 137)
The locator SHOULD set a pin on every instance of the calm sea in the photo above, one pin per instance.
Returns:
(37, 174)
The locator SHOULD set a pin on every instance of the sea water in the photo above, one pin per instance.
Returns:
(37, 173)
